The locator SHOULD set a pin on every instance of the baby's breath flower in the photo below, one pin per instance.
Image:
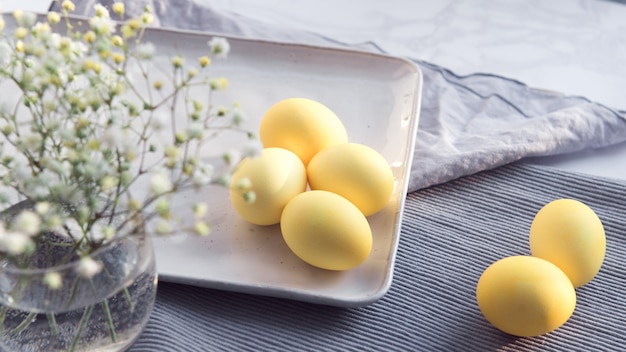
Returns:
(108, 232)
(202, 228)
(19, 46)
(134, 24)
(197, 105)
(249, 197)
(219, 47)
(219, 83)
(134, 204)
(89, 64)
(178, 61)
(237, 116)
(160, 183)
(2, 23)
(200, 209)
(101, 11)
(20, 32)
(118, 58)
(54, 17)
(27, 222)
(88, 268)
(89, 37)
(181, 137)
(53, 221)
(116, 40)
(243, 184)
(30, 142)
(53, 280)
(147, 18)
(222, 111)
(108, 183)
(202, 175)
(163, 227)
(158, 84)
(171, 151)
(28, 19)
(68, 5)
(41, 29)
(102, 25)
(188, 168)
(204, 61)
(127, 31)
(17, 15)
(130, 154)
(42, 208)
(162, 208)
(118, 8)
(15, 243)
(195, 130)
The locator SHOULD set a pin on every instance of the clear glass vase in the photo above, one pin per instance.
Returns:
(106, 312)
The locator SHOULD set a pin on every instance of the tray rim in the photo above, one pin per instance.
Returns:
(411, 141)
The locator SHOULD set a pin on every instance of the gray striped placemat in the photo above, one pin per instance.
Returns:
(450, 234)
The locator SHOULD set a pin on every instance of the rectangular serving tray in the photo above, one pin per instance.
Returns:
(377, 97)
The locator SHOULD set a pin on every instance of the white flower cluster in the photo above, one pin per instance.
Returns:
(83, 132)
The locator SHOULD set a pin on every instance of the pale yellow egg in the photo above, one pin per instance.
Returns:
(326, 230)
(525, 296)
(569, 234)
(270, 180)
(354, 171)
(301, 125)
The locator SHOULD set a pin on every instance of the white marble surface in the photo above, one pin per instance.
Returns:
(572, 46)
(575, 47)
(26, 5)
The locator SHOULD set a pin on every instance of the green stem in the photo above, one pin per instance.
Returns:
(107, 311)
(53, 323)
(73, 294)
(129, 299)
(24, 324)
(81, 327)
(3, 315)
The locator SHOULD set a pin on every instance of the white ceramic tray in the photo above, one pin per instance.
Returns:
(378, 99)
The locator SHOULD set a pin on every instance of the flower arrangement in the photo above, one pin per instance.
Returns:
(94, 132)
(96, 136)
(90, 124)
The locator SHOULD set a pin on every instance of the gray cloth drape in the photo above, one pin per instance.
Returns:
(467, 123)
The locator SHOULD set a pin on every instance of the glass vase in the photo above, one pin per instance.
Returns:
(104, 312)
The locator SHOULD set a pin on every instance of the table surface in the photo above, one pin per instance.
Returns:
(576, 47)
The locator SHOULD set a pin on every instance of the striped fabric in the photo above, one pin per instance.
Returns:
(450, 234)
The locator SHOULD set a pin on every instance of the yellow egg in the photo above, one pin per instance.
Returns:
(354, 171)
(326, 230)
(525, 296)
(274, 177)
(301, 125)
(569, 234)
